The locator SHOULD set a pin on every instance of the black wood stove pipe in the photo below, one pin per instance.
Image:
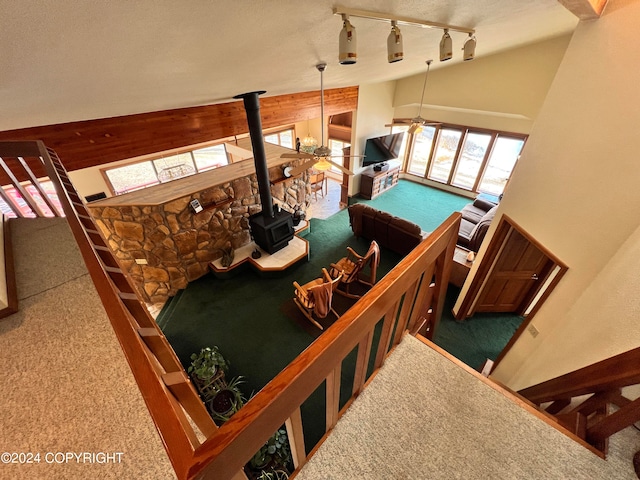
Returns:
(252, 107)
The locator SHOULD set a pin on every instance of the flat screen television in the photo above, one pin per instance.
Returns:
(381, 149)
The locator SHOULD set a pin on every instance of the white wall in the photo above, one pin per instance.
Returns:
(375, 109)
(504, 91)
(88, 181)
(576, 191)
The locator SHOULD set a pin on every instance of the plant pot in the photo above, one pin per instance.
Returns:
(223, 403)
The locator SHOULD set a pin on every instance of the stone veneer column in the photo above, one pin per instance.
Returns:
(177, 243)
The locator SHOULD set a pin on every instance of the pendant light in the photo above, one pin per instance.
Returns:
(348, 44)
(394, 44)
(446, 46)
(469, 48)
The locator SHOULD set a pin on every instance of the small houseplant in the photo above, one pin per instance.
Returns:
(207, 370)
(227, 400)
(275, 455)
(273, 475)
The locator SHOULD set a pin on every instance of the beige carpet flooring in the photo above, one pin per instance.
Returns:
(65, 386)
(423, 417)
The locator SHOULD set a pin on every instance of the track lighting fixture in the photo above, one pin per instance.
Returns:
(446, 46)
(394, 44)
(348, 45)
(395, 51)
(469, 48)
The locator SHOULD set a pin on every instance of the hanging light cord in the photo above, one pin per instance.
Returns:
(321, 67)
(423, 86)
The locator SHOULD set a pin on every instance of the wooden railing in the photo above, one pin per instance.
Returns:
(602, 382)
(10, 293)
(18, 161)
(409, 298)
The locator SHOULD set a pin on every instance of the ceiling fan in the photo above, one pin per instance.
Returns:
(321, 156)
(415, 124)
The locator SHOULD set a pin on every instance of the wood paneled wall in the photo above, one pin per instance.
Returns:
(95, 142)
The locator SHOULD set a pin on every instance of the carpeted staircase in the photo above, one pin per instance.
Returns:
(426, 416)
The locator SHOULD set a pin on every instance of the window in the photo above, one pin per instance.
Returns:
(472, 154)
(501, 162)
(210, 157)
(146, 173)
(337, 153)
(132, 177)
(422, 144)
(446, 147)
(174, 167)
(283, 138)
(471, 159)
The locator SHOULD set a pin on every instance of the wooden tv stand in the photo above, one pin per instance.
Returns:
(374, 183)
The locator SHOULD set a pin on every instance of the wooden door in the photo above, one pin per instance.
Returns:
(518, 272)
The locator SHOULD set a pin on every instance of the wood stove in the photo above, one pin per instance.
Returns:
(272, 228)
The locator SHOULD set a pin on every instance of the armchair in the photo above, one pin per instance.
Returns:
(353, 269)
(315, 297)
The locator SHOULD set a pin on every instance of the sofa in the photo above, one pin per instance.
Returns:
(476, 219)
(394, 233)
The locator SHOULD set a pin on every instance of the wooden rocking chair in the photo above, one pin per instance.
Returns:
(315, 297)
(352, 269)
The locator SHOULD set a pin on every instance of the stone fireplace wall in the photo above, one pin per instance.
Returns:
(164, 247)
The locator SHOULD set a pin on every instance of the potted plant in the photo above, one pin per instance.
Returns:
(207, 371)
(273, 475)
(275, 455)
(227, 400)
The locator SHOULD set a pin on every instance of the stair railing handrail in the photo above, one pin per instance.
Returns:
(615, 372)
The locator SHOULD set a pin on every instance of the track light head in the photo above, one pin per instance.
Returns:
(395, 51)
(348, 44)
(446, 46)
(469, 48)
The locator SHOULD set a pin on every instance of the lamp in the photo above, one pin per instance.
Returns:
(308, 144)
(348, 44)
(322, 164)
(469, 48)
(446, 47)
(394, 44)
(348, 54)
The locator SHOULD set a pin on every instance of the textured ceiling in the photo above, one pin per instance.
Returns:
(70, 60)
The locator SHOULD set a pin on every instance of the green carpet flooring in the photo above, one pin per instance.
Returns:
(258, 328)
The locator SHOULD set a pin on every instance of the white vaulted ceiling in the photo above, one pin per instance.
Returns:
(69, 60)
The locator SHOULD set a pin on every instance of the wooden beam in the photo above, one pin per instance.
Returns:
(585, 9)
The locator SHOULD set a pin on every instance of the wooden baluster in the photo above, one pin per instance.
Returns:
(179, 385)
(362, 362)
(423, 301)
(137, 310)
(159, 346)
(409, 299)
(385, 335)
(333, 396)
(38, 187)
(615, 422)
(295, 433)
